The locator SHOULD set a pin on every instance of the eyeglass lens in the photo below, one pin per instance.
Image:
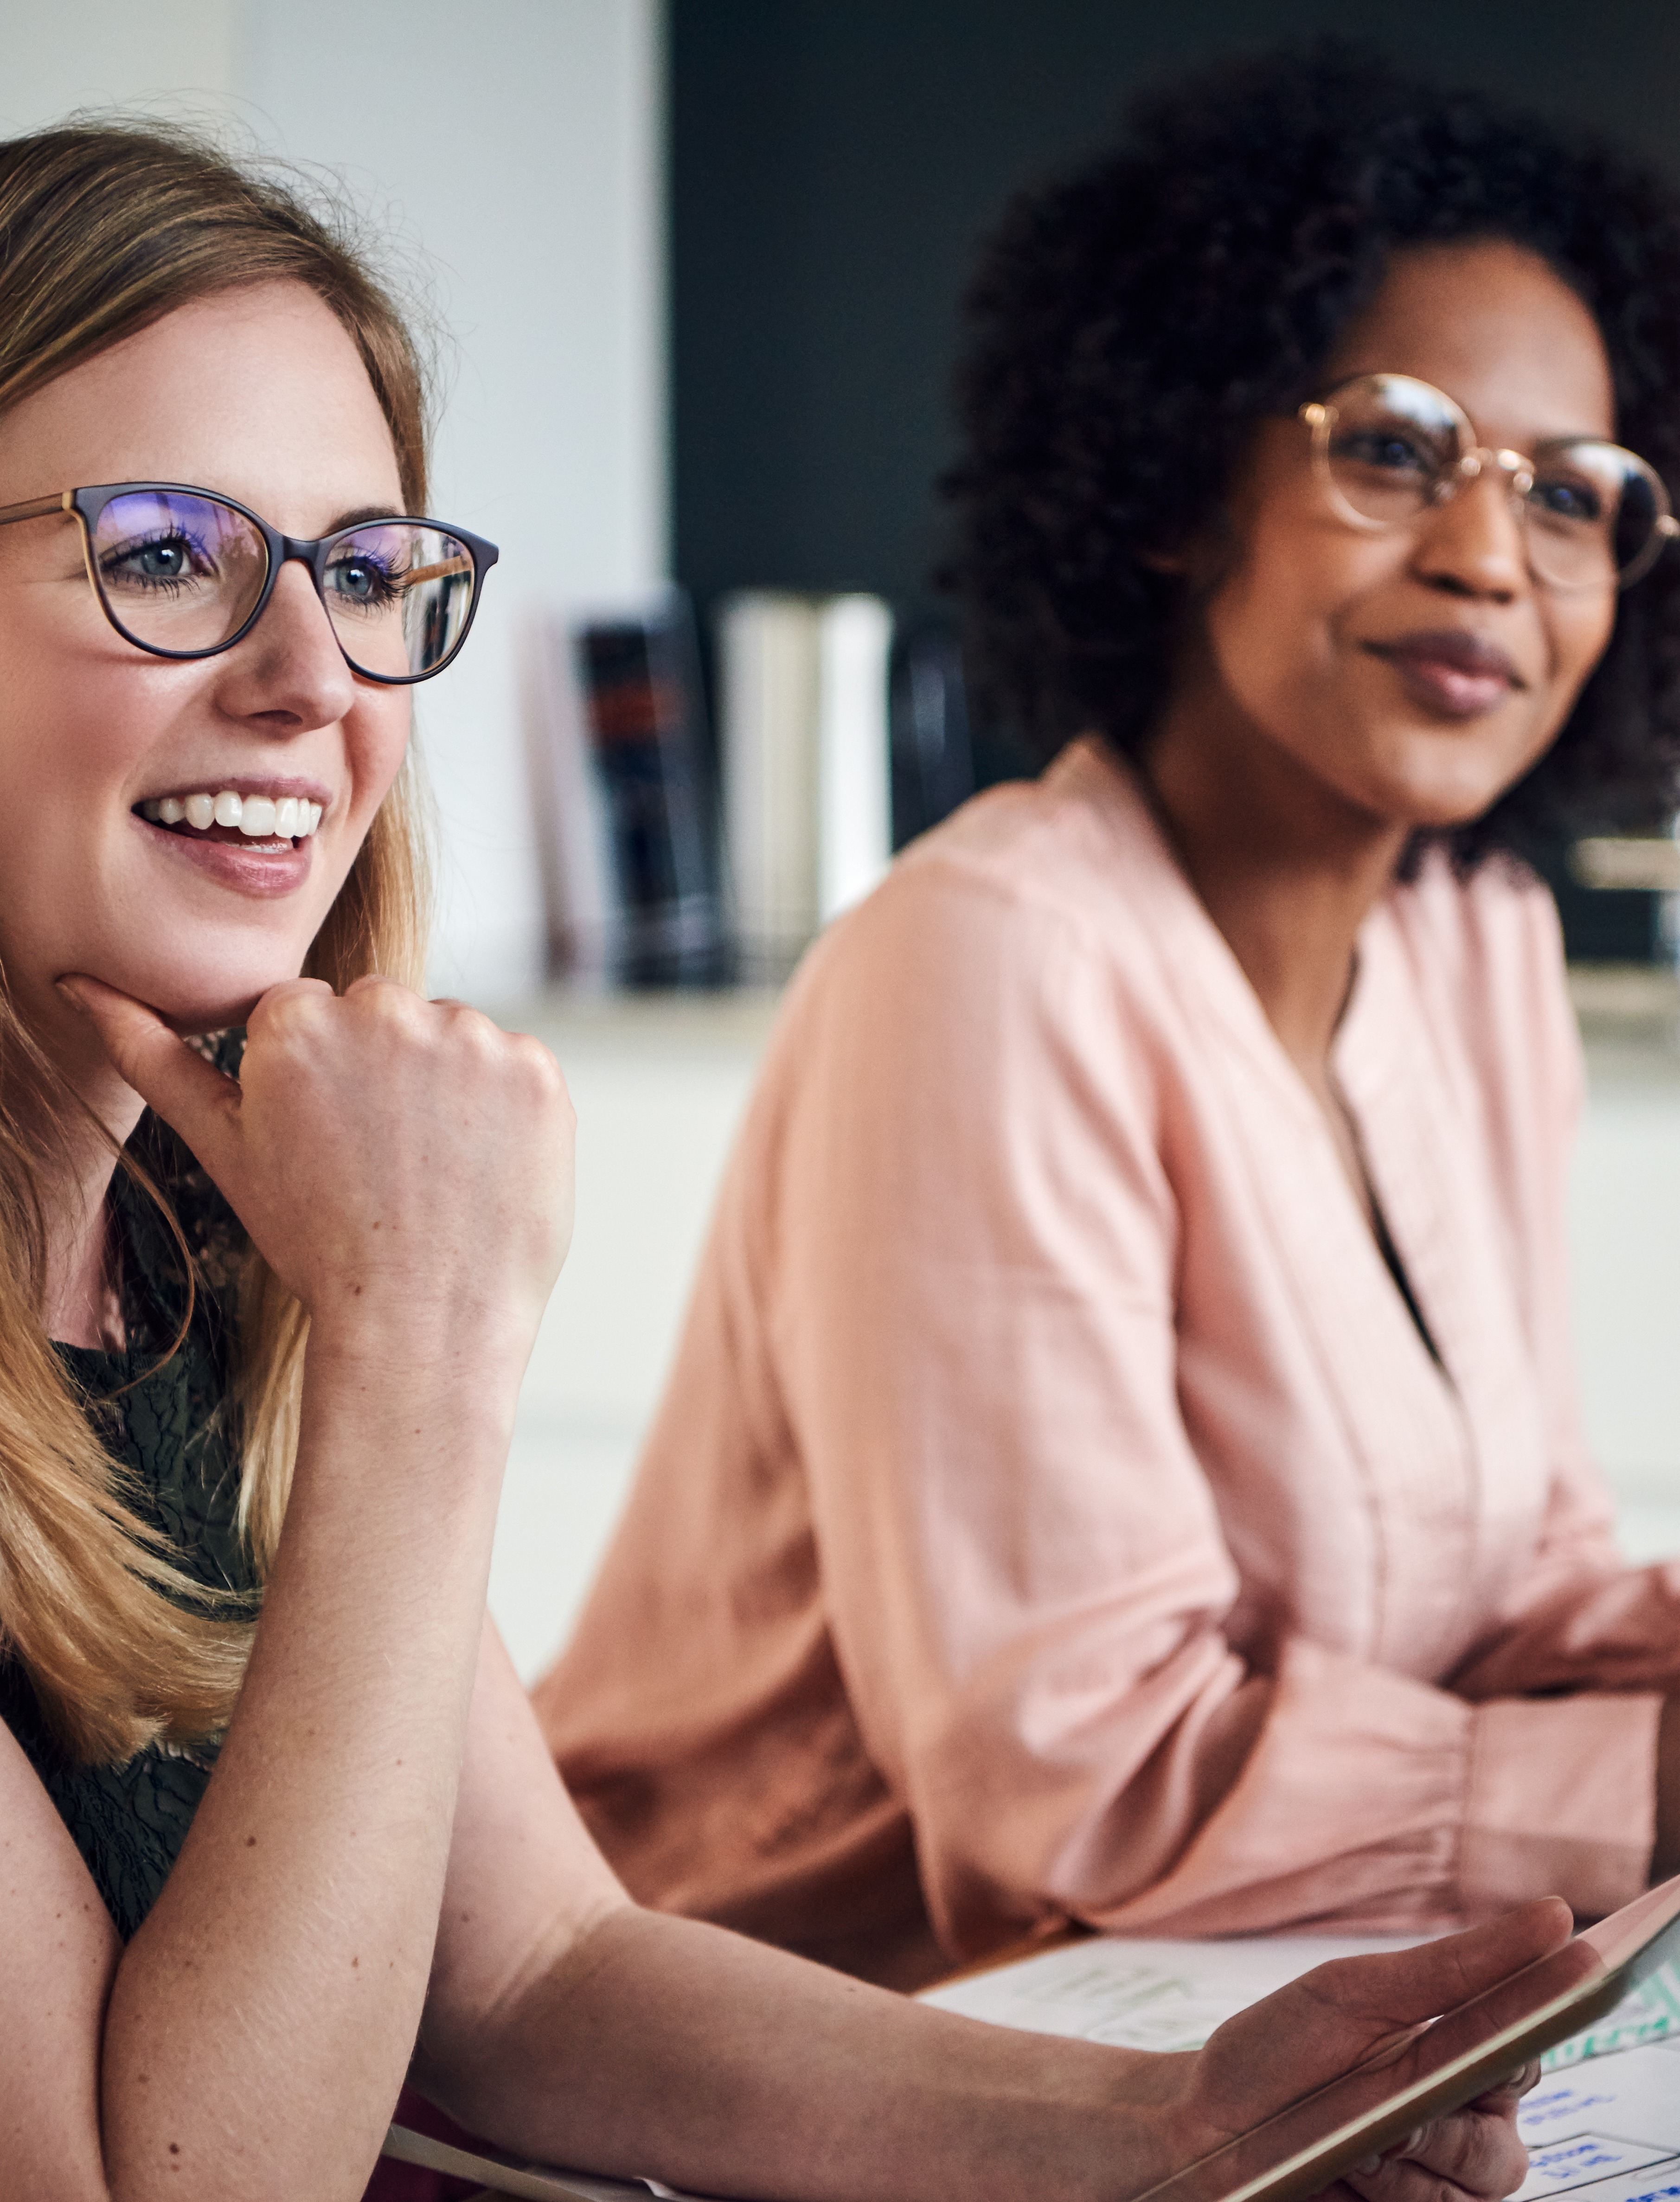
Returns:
(182, 572)
(1392, 450)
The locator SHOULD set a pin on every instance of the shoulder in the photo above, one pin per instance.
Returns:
(1009, 967)
(1077, 847)
(1033, 889)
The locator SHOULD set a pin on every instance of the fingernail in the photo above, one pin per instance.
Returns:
(67, 986)
(1369, 2166)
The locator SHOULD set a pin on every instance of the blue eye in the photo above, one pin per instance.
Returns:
(165, 563)
(363, 580)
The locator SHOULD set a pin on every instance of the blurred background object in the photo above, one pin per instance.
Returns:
(625, 804)
(698, 263)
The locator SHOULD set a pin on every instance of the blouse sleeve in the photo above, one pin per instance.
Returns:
(1578, 1621)
(974, 1242)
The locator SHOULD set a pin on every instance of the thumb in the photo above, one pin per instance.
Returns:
(1355, 2009)
(171, 1079)
(1407, 1986)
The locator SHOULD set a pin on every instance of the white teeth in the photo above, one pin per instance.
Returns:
(260, 817)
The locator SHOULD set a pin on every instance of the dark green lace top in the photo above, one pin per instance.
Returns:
(129, 1822)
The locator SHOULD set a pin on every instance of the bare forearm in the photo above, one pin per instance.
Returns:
(666, 2048)
(294, 1937)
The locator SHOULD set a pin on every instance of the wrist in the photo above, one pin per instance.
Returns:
(1168, 2128)
(444, 1361)
(393, 1321)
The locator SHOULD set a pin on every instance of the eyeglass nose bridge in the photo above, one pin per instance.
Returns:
(1470, 467)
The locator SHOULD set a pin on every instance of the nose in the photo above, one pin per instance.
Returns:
(1473, 545)
(289, 674)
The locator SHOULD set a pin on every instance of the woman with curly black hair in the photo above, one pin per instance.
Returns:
(1124, 1461)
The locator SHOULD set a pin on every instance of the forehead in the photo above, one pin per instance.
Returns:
(1494, 327)
(258, 392)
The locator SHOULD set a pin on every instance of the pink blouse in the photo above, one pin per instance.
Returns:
(1054, 1500)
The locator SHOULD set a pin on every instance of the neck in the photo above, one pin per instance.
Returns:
(1286, 867)
(74, 1168)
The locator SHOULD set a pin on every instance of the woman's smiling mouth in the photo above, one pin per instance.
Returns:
(230, 817)
(258, 840)
(1457, 674)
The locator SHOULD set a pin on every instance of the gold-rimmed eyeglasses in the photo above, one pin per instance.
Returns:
(186, 573)
(1389, 448)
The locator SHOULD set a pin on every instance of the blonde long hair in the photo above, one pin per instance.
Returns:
(103, 230)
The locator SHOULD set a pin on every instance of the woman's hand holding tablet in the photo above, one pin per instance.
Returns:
(1359, 2097)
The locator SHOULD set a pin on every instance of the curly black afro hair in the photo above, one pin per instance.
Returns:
(1131, 323)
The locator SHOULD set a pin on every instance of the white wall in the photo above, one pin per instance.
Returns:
(516, 144)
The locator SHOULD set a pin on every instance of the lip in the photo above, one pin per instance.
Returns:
(261, 872)
(1451, 672)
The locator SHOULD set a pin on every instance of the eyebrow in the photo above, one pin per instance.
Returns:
(362, 514)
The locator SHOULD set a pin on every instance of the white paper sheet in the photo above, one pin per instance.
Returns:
(1607, 2130)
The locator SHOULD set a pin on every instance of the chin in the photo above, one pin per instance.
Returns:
(1437, 793)
(192, 1003)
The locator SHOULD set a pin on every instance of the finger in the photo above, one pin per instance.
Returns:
(1408, 1985)
(1477, 2152)
(289, 990)
(170, 1077)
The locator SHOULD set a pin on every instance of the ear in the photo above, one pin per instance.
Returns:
(1175, 564)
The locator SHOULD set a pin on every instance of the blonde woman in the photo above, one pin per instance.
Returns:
(276, 1823)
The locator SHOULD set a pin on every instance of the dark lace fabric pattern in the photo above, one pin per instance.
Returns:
(129, 1822)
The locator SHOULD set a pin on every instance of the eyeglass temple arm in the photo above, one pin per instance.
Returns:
(37, 507)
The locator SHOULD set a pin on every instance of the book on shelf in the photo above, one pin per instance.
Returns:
(623, 788)
(802, 714)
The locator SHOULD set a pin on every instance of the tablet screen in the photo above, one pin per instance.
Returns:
(1436, 2068)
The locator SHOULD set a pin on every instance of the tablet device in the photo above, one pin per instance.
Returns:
(1437, 2067)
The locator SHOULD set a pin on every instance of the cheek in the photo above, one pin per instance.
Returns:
(1274, 621)
(376, 740)
(74, 730)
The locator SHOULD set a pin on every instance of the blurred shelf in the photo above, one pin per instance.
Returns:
(685, 1021)
(1630, 1017)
